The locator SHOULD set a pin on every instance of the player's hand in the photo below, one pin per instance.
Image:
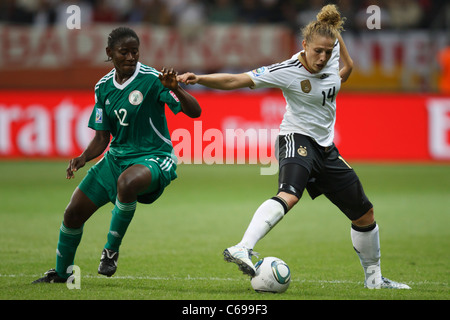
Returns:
(188, 78)
(168, 78)
(74, 165)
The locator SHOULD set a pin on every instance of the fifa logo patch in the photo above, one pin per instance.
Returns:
(258, 72)
(98, 115)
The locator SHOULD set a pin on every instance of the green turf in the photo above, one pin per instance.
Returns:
(173, 248)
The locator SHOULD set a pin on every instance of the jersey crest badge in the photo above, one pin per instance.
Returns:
(306, 86)
(135, 97)
(302, 151)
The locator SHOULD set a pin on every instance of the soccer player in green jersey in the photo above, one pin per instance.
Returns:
(129, 106)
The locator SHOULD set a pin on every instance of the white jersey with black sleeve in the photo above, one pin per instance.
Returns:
(310, 97)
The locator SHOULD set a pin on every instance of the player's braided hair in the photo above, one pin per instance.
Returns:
(329, 22)
(118, 34)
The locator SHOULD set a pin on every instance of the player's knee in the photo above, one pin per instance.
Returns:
(72, 219)
(79, 209)
(129, 186)
(132, 182)
(124, 183)
(126, 186)
(366, 219)
(129, 180)
(290, 199)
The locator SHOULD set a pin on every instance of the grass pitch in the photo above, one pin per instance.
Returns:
(173, 248)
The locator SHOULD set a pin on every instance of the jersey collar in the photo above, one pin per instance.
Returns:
(126, 83)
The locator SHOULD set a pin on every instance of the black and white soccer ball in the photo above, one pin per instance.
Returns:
(272, 275)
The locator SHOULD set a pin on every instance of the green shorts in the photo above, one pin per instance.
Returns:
(100, 183)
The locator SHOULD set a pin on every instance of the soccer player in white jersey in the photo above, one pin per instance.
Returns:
(308, 158)
(129, 106)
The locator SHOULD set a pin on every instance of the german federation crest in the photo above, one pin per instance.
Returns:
(306, 86)
(302, 151)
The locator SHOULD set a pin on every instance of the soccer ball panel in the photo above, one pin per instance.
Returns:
(272, 275)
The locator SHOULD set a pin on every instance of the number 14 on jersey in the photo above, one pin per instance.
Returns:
(330, 95)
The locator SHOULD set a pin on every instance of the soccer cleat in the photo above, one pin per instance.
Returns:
(108, 262)
(242, 257)
(388, 284)
(51, 277)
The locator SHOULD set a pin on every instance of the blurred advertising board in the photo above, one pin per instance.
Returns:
(235, 127)
(61, 58)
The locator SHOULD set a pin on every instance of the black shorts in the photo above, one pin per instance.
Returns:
(327, 173)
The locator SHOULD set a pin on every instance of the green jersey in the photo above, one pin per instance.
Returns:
(134, 113)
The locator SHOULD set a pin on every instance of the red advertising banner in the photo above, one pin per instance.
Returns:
(235, 127)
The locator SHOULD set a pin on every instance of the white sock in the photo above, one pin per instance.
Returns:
(265, 218)
(367, 246)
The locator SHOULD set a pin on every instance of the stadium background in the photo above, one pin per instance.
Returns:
(393, 126)
(395, 94)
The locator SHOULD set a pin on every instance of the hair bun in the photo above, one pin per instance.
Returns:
(331, 16)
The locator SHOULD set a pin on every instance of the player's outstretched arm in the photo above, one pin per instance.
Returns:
(346, 70)
(222, 81)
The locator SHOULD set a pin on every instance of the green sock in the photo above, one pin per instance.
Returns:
(121, 218)
(68, 242)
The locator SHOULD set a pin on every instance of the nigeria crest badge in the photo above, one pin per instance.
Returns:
(135, 97)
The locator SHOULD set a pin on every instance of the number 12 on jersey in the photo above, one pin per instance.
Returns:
(121, 115)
